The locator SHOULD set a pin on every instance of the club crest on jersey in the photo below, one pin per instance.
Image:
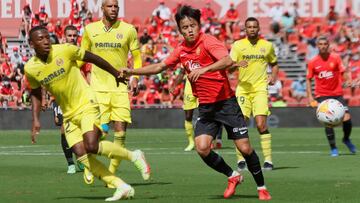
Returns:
(262, 50)
(198, 50)
(119, 36)
(59, 62)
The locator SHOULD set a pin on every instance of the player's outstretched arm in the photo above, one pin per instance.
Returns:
(101, 63)
(36, 107)
(146, 70)
(221, 64)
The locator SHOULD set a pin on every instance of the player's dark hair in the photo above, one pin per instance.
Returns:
(187, 11)
(69, 27)
(252, 19)
(34, 29)
(322, 38)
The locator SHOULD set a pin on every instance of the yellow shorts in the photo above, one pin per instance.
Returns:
(253, 103)
(81, 123)
(190, 102)
(114, 106)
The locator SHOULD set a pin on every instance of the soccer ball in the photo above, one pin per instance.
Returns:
(330, 112)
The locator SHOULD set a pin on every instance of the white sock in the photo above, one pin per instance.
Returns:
(261, 188)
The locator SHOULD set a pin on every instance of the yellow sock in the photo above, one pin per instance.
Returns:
(113, 151)
(99, 170)
(239, 156)
(266, 146)
(189, 130)
(119, 140)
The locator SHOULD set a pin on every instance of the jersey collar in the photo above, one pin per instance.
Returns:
(116, 24)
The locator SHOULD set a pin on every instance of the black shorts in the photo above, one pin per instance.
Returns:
(57, 113)
(339, 98)
(228, 113)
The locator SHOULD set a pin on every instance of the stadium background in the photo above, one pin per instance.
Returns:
(293, 50)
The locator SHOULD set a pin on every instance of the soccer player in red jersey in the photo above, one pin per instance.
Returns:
(327, 69)
(205, 59)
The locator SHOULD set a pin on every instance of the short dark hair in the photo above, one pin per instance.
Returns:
(252, 19)
(187, 11)
(36, 28)
(70, 27)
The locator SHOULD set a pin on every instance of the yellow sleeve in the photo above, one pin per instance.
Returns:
(75, 53)
(34, 84)
(272, 56)
(234, 52)
(85, 41)
(134, 43)
(136, 54)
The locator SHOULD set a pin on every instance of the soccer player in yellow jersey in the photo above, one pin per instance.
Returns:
(254, 55)
(55, 68)
(113, 40)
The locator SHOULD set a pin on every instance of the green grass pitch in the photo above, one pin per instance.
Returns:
(304, 171)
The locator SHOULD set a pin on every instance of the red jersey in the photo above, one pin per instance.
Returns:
(328, 75)
(7, 69)
(211, 86)
(232, 14)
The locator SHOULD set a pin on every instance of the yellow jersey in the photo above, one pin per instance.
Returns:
(61, 76)
(113, 45)
(253, 77)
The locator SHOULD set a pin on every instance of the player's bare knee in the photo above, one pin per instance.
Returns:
(261, 128)
(91, 147)
(245, 150)
(203, 149)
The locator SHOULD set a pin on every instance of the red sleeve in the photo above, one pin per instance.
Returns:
(310, 73)
(216, 48)
(173, 59)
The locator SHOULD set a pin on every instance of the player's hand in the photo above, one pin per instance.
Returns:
(35, 130)
(121, 78)
(134, 87)
(348, 83)
(271, 80)
(312, 102)
(172, 89)
(242, 64)
(195, 74)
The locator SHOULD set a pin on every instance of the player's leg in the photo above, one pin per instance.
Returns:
(236, 128)
(260, 112)
(347, 127)
(119, 112)
(91, 131)
(74, 138)
(67, 152)
(205, 131)
(245, 102)
(189, 129)
(123, 190)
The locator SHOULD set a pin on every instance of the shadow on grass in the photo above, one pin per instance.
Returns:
(285, 167)
(150, 183)
(235, 197)
(83, 197)
(347, 154)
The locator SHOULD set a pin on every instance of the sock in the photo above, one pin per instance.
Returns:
(217, 163)
(189, 131)
(119, 140)
(99, 170)
(113, 151)
(330, 134)
(253, 164)
(347, 126)
(239, 156)
(67, 151)
(265, 141)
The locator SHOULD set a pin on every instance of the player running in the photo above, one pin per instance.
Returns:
(112, 40)
(54, 67)
(205, 59)
(328, 70)
(255, 55)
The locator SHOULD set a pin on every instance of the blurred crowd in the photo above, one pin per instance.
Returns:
(158, 35)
